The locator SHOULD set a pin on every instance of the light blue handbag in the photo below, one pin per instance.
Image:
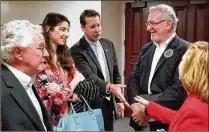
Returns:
(90, 120)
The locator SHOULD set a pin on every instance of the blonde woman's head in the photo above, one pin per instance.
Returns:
(193, 69)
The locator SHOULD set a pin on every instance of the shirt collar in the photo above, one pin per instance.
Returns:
(24, 79)
(165, 43)
(90, 42)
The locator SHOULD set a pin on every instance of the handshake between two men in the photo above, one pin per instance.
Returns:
(138, 109)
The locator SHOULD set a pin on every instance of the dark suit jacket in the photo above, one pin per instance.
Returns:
(17, 111)
(87, 63)
(166, 76)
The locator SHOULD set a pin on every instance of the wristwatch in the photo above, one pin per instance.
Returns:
(145, 111)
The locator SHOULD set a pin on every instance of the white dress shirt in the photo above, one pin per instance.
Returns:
(27, 83)
(160, 48)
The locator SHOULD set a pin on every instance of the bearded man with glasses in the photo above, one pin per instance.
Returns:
(155, 76)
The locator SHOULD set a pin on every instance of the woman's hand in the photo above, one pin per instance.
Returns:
(141, 100)
(52, 88)
(75, 98)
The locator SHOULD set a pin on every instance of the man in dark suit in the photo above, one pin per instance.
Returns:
(22, 52)
(96, 59)
(155, 75)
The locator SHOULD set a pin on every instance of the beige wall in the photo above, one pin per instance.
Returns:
(112, 17)
(35, 11)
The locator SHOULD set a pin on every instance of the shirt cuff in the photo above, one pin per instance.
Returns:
(107, 87)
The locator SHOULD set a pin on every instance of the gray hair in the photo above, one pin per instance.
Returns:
(18, 33)
(168, 12)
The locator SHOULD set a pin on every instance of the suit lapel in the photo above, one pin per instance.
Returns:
(91, 53)
(94, 58)
(147, 59)
(21, 97)
(162, 59)
(44, 112)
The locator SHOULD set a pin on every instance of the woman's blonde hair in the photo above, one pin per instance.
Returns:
(194, 75)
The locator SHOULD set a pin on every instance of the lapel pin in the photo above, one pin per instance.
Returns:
(168, 53)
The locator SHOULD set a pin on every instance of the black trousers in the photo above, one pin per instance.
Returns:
(158, 125)
(107, 111)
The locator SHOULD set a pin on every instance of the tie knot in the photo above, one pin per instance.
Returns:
(95, 43)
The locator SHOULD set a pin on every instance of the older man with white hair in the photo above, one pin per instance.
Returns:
(155, 75)
(22, 57)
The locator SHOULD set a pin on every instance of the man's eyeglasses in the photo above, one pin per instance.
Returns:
(39, 49)
(154, 23)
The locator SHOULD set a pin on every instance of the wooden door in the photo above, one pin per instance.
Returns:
(193, 25)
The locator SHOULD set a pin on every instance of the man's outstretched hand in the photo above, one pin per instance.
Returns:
(116, 89)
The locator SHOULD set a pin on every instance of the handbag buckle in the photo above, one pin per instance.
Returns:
(76, 119)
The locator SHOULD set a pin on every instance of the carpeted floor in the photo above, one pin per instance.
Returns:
(122, 124)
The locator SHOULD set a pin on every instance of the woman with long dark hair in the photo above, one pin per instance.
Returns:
(57, 83)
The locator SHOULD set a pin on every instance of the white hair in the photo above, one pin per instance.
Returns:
(168, 12)
(19, 33)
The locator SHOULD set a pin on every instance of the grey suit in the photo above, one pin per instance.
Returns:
(87, 63)
(17, 111)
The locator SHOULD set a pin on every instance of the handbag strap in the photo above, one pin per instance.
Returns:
(86, 103)
(72, 110)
